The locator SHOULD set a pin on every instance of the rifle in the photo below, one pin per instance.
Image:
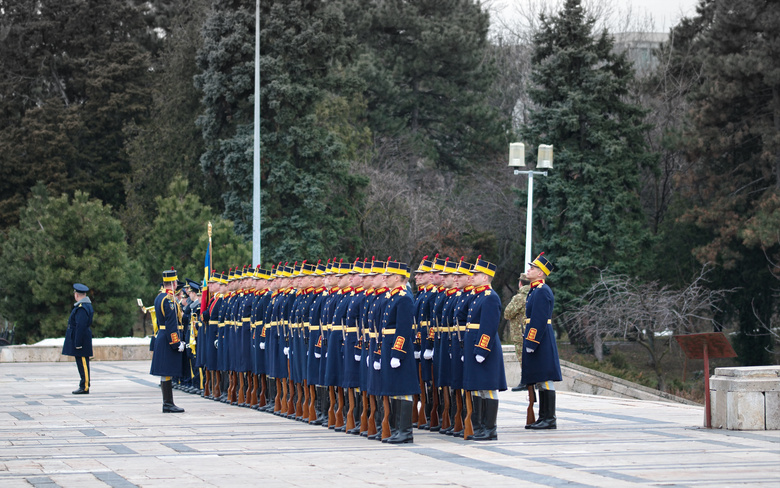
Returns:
(372, 417)
(434, 392)
(468, 427)
(458, 421)
(363, 394)
(530, 418)
(386, 419)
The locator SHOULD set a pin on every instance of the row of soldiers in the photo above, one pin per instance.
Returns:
(346, 345)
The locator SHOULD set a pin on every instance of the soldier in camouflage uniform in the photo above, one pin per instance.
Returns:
(515, 314)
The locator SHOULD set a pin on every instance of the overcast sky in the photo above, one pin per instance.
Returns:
(664, 13)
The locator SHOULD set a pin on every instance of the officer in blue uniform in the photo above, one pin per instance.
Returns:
(168, 346)
(397, 364)
(78, 337)
(459, 321)
(313, 354)
(483, 361)
(541, 365)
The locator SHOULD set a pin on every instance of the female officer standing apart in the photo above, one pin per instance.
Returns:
(78, 337)
(168, 346)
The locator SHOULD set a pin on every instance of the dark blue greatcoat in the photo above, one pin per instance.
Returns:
(460, 318)
(78, 337)
(542, 364)
(212, 331)
(245, 360)
(272, 333)
(365, 339)
(422, 313)
(442, 372)
(314, 346)
(326, 319)
(374, 323)
(398, 342)
(167, 360)
(334, 363)
(351, 375)
(482, 339)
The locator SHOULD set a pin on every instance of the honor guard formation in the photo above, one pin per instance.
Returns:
(347, 346)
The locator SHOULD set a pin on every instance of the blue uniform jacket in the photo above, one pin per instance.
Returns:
(482, 339)
(398, 342)
(542, 364)
(167, 360)
(78, 336)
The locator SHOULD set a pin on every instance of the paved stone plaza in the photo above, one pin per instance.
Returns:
(117, 436)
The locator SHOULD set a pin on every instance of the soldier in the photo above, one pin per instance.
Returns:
(465, 295)
(421, 325)
(541, 365)
(397, 365)
(313, 355)
(334, 368)
(442, 356)
(168, 346)
(434, 342)
(78, 336)
(352, 348)
(374, 348)
(211, 321)
(515, 314)
(196, 382)
(483, 362)
(326, 326)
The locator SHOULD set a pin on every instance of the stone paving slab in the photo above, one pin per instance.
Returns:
(117, 436)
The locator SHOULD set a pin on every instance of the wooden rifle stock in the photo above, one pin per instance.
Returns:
(312, 399)
(351, 412)
(435, 403)
(421, 419)
(331, 407)
(386, 419)
(530, 418)
(263, 390)
(207, 384)
(445, 413)
(283, 399)
(364, 413)
(372, 416)
(468, 427)
(298, 410)
(458, 421)
(339, 413)
(278, 397)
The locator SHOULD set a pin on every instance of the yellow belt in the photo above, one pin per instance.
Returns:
(528, 321)
(350, 329)
(337, 327)
(388, 331)
(221, 325)
(373, 335)
(246, 319)
(425, 323)
(462, 328)
(472, 326)
(161, 327)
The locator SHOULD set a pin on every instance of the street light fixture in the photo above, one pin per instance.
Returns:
(517, 160)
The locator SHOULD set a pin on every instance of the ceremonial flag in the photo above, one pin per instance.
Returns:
(204, 298)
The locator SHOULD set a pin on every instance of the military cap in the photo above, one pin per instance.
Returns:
(438, 264)
(80, 288)
(394, 267)
(450, 267)
(320, 269)
(169, 275)
(484, 267)
(194, 285)
(426, 265)
(543, 263)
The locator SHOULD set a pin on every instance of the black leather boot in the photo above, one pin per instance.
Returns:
(404, 433)
(490, 413)
(542, 399)
(167, 393)
(547, 418)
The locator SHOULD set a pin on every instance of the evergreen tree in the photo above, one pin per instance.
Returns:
(61, 241)
(429, 74)
(588, 208)
(169, 143)
(308, 193)
(733, 192)
(72, 74)
(179, 238)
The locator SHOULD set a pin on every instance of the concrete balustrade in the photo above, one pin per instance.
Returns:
(746, 398)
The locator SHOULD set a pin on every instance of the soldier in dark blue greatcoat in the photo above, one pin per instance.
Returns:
(168, 345)
(541, 365)
(397, 364)
(483, 360)
(78, 336)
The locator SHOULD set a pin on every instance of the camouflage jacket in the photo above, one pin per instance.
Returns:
(515, 311)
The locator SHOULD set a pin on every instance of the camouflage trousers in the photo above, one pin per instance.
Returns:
(516, 330)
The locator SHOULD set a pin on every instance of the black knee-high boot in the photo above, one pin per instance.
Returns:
(489, 414)
(547, 419)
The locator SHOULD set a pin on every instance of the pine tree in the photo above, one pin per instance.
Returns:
(733, 192)
(72, 74)
(308, 193)
(179, 238)
(588, 207)
(428, 73)
(61, 241)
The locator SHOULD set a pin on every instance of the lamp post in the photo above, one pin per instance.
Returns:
(517, 160)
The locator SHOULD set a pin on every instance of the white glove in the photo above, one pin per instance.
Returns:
(181, 347)
(357, 357)
(317, 355)
(366, 361)
(377, 365)
(529, 350)
(428, 354)
(262, 345)
(287, 351)
(480, 358)
(416, 354)
(461, 359)
(395, 362)
(79, 347)
(216, 343)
